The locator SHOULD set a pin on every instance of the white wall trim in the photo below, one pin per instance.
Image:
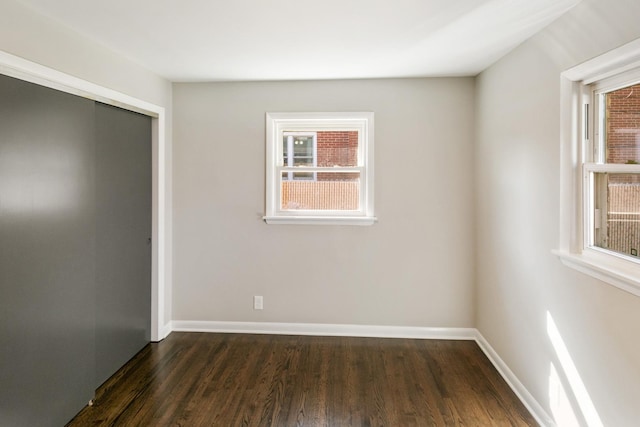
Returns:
(20, 68)
(165, 330)
(23, 69)
(321, 329)
(518, 388)
(619, 273)
(616, 61)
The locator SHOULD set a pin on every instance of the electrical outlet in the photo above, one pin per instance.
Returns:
(257, 302)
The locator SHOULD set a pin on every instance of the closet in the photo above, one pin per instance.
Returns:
(75, 249)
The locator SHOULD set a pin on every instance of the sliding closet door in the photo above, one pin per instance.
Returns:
(47, 254)
(123, 249)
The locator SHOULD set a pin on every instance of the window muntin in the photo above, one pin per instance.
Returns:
(612, 178)
(328, 174)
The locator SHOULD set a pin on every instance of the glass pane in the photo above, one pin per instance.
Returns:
(297, 176)
(330, 191)
(623, 125)
(297, 149)
(617, 215)
(302, 151)
(337, 148)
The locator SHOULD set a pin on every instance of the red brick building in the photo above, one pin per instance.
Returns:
(623, 125)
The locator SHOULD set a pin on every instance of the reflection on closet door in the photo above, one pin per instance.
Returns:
(47, 254)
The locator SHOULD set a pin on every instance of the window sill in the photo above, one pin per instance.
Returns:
(321, 220)
(620, 273)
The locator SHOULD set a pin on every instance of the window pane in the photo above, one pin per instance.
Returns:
(297, 149)
(617, 216)
(290, 176)
(337, 148)
(623, 125)
(302, 151)
(331, 191)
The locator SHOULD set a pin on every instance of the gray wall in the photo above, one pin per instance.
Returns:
(414, 267)
(519, 281)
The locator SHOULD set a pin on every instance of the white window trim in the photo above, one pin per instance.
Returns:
(613, 269)
(277, 123)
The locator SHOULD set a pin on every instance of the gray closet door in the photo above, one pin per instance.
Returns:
(123, 249)
(47, 254)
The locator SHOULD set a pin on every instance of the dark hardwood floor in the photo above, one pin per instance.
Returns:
(201, 379)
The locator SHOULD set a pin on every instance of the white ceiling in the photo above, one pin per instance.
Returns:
(216, 40)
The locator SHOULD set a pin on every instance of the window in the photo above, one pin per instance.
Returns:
(612, 173)
(319, 168)
(600, 189)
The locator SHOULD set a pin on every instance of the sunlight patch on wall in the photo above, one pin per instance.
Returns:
(576, 386)
(559, 402)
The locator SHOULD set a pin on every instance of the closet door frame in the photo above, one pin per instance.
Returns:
(13, 66)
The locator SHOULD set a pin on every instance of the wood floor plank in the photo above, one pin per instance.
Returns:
(201, 379)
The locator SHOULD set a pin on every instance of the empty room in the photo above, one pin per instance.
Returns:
(337, 213)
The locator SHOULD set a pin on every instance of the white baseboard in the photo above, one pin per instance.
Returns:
(518, 388)
(411, 332)
(164, 331)
(321, 329)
